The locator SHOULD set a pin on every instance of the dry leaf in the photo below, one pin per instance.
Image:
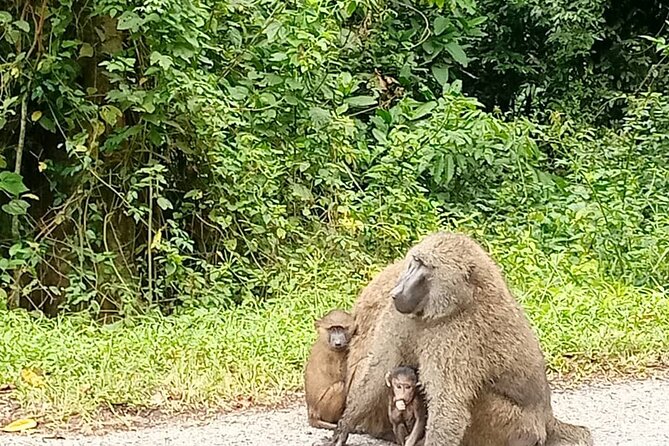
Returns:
(156, 240)
(20, 425)
(32, 377)
(158, 399)
(6, 388)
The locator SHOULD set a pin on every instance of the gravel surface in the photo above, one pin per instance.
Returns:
(634, 413)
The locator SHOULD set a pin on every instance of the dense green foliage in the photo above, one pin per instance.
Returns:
(199, 153)
(582, 56)
(248, 165)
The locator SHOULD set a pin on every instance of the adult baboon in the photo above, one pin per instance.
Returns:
(373, 301)
(325, 372)
(452, 316)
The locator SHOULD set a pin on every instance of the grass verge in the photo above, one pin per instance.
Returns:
(214, 358)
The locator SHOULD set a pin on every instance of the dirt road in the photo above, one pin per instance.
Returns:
(630, 414)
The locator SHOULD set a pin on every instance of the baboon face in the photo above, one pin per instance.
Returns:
(412, 287)
(402, 383)
(337, 338)
(435, 282)
(336, 328)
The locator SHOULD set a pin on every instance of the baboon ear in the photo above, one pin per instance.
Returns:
(388, 380)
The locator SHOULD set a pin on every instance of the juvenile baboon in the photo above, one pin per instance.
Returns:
(325, 373)
(406, 409)
(453, 317)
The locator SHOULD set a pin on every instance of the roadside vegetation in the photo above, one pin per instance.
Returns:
(186, 185)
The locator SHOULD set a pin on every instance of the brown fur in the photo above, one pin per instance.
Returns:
(408, 422)
(481, 364)
(325, 372)
(366, 310)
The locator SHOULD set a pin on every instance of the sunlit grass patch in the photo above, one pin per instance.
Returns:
(211, 358)
(181, 362)
(601, 328)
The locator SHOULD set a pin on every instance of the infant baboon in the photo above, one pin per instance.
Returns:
(325, 373)
(451, 315)
(406, 410)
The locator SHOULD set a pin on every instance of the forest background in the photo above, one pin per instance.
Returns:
(185, 185)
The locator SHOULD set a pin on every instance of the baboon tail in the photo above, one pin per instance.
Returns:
(565, 434)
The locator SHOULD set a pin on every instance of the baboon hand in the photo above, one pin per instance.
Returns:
(336, 440)
(324, 442)
(339, 437)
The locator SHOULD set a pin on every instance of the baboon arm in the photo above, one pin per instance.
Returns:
(400, 434)
(368, 389)
(418, 429)
(320, 424)
(447, 426)
(334, 390)
(451, 395)
(329, 406)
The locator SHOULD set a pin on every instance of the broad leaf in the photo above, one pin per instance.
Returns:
(164, 203)
(22, 25)
(440, 25)
(86, 50)
(272, 29)
(302, 192)
(450, 168)
(424, 109)
(110, 114)
(12, 183)
(157, 238)
(360, 101)
(457, 53)
(440, 73)
(130, 21)
(16, 207)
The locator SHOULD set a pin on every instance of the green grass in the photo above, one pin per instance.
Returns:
(210, 358)
(206, 358)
